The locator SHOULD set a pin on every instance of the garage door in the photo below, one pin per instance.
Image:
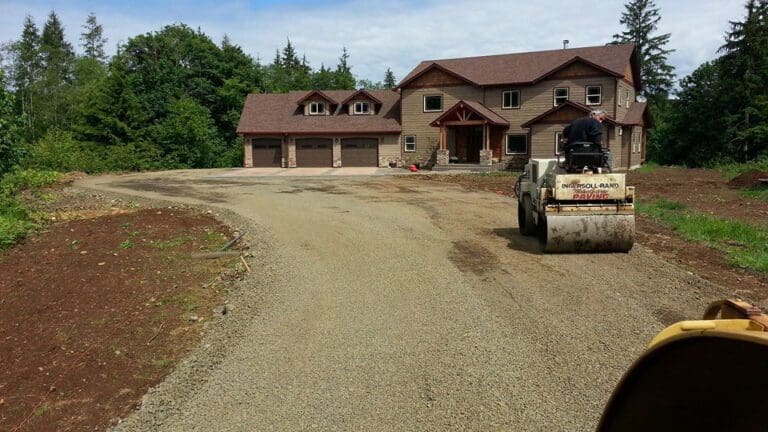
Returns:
(359, 152)
(314, 152)
(267, 152)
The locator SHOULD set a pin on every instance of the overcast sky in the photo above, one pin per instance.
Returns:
(392, 33)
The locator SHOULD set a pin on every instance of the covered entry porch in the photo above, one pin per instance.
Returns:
(467, 130)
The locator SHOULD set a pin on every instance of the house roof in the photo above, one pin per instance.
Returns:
(583, 108)
(273, 114)
(635, 114)
(309, 94)
(362, 92)
(476, 107)
(529, 67)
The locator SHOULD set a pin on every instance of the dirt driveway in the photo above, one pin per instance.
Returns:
(390, 305)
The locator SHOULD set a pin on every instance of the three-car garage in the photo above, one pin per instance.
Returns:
(315, 152)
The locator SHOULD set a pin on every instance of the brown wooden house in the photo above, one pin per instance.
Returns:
(480, 110)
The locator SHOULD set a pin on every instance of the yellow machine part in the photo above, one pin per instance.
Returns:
(579, 232)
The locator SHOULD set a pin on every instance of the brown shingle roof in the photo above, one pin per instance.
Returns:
(525, 68)
(634, 115)
(272, 114)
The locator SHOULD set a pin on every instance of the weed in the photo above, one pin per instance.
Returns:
(126, 244)
(74, 244)
(162, 363)
(648, 168)
(41, 410)
(172, 243)
(756, 193)
(732, 170)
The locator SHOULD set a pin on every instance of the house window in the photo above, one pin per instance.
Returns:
(594, 95)
(433, 103)
(620, 131)
(510, 99)
(362, 108)
(635, 142)
(558, 143)
(626, 97)
(517, 144)
(316, 108)
(561, 95)
(409, 143)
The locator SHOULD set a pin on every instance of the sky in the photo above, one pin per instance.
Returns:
(394, 33)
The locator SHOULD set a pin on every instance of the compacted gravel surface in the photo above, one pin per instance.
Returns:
(381, 304)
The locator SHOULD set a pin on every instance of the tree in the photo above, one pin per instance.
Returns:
(58, 58)
(343, 78)
(744, 72)
(389, 79)
(26, 70)
(11, 150)
(93, 39)
(641, 20)
(370, 85)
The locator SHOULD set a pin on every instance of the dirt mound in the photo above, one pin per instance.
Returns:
(748, 179)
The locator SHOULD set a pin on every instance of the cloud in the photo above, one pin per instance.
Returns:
(396, 34)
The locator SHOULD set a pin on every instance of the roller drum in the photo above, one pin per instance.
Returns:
(588, 233)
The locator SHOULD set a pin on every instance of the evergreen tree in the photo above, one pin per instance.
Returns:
(343, 78)
(93, 39)
(322, 79)
(26, 70)
(58, 58)
(389, 79)
(744, 73)
(11, 150)
(641, 20)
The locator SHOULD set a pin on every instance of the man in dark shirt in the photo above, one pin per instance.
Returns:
(586, 129)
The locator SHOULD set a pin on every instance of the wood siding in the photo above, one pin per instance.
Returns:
(543, 140)
(436, 78)
(416, 122)
(621, 101)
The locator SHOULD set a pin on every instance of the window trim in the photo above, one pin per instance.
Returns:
(506, 144)
(361, 103)
(317, 111)
(599, 95)
(554, 95)
(405, 143)
(519, 102)
(424, 103)
(558, 137)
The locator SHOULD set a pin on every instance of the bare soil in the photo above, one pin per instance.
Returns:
(701, 190)
(96, 310)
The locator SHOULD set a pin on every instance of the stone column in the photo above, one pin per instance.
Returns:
(336, 152)
(291, 153)
(248, 154)
(486, 157)
(443, 158)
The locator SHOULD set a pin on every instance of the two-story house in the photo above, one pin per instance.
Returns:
(482, 110)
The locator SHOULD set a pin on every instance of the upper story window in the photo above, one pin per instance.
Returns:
(561, 95)
(362, 108)
(316, 108)
(433, 103)
(517, 144)
(626, 97)
(594, 95)
(510, 99)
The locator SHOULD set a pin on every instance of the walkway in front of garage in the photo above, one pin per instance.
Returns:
(311, 172)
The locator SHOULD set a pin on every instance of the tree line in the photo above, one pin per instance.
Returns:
(166, 99)
(172, 98)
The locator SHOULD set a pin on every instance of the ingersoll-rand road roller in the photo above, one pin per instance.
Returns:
(576, 205)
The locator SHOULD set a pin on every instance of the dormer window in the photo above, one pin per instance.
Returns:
(317, 108)
(362, 108)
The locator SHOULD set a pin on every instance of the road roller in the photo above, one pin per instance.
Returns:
(576, 205)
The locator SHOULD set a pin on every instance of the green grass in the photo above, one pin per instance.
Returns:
(756, 193)
(745, 245)
(16, 220)
(733, 170)
(648, 168)
(172, 243)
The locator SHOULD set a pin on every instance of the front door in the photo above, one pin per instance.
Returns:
(474, 144)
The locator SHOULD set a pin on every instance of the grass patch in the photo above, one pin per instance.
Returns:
(757, 193)
(745, 245)
(648, 168)
(16, 220)
(733, 170)
(172, 243)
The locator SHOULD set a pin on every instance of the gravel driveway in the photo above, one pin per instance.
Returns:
(380, 304)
